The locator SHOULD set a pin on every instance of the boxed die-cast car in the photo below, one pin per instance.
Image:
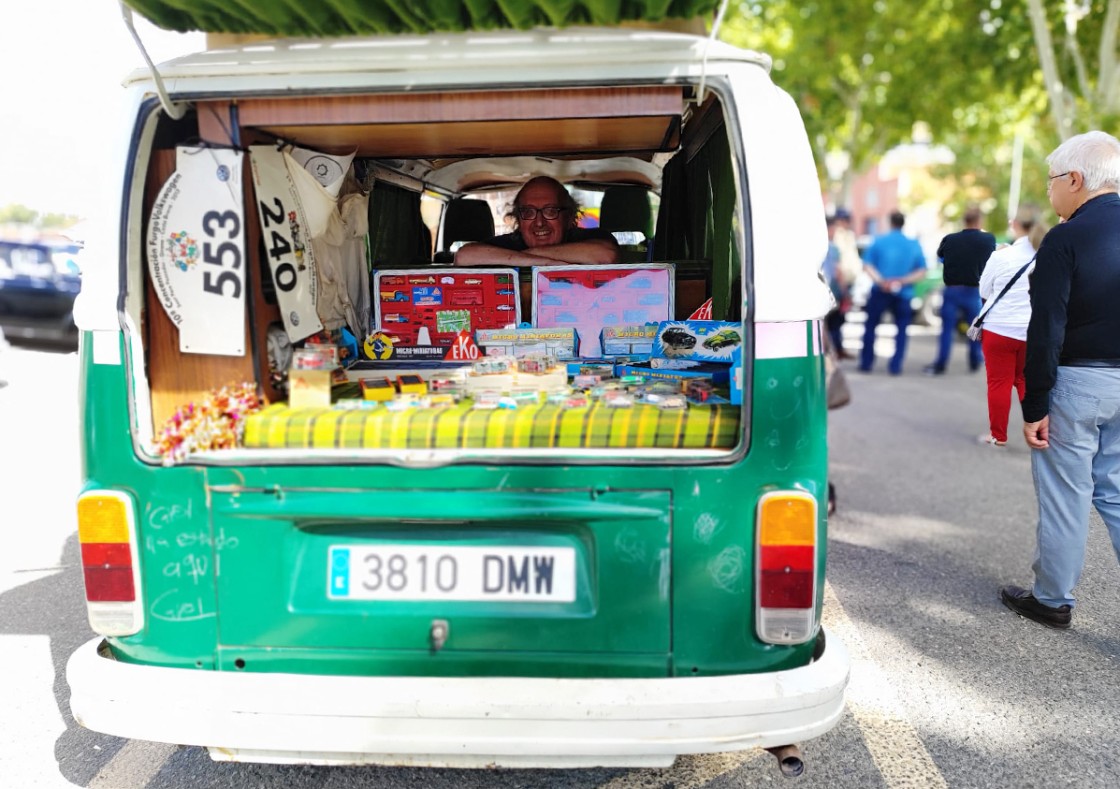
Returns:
(565, 581)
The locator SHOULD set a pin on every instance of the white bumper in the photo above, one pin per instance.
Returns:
(455, 722)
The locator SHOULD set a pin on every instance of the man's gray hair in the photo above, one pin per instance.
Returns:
(1095, 154)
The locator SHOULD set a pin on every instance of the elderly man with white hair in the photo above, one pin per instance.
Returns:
(1071, 411)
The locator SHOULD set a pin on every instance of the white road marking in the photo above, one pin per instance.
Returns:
(895, 746)
(133, 766)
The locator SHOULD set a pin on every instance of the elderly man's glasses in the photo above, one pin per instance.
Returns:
(1050, 179)
(527, 213)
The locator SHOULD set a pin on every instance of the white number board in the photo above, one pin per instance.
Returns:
(287, 242)
(468, 573)
(196, 251)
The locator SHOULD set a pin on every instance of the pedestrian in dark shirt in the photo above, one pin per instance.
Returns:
(1071, 411)
(963, 255)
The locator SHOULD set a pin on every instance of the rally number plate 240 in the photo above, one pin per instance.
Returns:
(543, 574)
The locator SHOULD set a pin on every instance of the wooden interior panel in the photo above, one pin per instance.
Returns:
(473, 138)
(466, 106)
(689, 295)
(428, 125)
(179, 378)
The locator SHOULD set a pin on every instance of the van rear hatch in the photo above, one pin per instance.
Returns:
(460, 574)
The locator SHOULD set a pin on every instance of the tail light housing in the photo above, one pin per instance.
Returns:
(786, 567)
(110, 566)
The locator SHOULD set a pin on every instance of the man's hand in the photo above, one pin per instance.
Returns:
(1037, 433)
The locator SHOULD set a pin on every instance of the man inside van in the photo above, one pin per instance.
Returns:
(545, 233)
(894, 263)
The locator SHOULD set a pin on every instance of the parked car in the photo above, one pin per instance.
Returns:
(38, 284)
(927, 298)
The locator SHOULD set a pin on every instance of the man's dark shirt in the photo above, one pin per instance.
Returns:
(515, 243)
(1075, 299)
(964, 255)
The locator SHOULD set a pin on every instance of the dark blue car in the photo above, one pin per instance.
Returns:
(38, 284)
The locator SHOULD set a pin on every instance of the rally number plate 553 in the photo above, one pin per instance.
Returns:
(543, 574)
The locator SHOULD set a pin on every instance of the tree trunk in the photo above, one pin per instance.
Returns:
(1108, 84)
(1061, 109)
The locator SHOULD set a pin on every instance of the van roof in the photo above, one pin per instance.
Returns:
(517, 56)
(390, 16)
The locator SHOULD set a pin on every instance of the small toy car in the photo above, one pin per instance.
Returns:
(677, 338)
(671, 402)
(698, 389)
(377, 389)
(723, 339)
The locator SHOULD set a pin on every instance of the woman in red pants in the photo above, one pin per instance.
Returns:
(1004, 340)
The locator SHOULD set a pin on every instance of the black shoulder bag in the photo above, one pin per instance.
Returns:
(976, 329)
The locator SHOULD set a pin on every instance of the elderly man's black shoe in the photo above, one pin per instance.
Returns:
(1024, 603)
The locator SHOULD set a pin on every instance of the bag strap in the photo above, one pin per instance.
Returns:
(987, 308)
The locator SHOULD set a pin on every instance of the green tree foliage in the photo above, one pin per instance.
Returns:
(16, 214)
(864, 73)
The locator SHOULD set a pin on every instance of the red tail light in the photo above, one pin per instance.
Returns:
(107, 534)
(786, 592)
(108, 572)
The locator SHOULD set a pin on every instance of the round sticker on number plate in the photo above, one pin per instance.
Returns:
(196, 251)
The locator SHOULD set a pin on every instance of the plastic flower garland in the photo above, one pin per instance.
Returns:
(218, 422)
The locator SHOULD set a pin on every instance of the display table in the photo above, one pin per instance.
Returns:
(461, 426)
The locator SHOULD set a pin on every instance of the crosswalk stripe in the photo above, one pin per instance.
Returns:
(895, 747)
(133, 766)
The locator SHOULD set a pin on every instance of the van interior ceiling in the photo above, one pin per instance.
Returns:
(649, 140)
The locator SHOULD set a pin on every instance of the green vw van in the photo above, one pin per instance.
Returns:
(576, 582)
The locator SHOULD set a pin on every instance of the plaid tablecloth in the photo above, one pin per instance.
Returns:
(593, 426)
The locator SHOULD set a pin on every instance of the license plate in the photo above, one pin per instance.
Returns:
(467, 573)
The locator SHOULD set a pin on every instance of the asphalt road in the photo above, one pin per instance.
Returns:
(948, 687)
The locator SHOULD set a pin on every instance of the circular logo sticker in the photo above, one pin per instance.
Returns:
(378, 346)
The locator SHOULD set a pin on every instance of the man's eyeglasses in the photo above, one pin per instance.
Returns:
(1050, 178)
(527, 213)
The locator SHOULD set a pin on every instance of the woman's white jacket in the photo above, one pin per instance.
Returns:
(1011, 314)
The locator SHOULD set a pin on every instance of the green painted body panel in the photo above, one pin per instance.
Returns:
(666, 551)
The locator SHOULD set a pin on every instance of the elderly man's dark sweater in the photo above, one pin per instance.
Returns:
(1075, 300)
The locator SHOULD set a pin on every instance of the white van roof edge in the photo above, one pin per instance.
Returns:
(416, 56)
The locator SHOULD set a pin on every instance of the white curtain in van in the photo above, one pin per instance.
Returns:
(337, 229)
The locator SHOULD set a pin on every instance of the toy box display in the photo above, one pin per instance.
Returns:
(719, 374)
(310, 378)
(558, 343)
(705, 341)
(737, 378)
(591, 298)
(628, 340)
(421, 307)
